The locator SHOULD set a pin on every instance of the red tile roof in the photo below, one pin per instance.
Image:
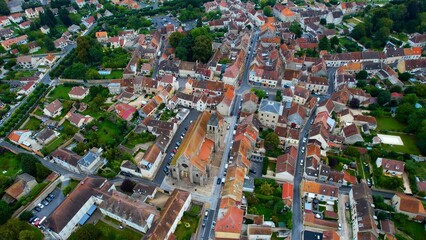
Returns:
(230, 221)
(287, 191)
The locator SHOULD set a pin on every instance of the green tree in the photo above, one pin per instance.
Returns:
(354, 103)
(87, 232)
(278, 96)
(25, 216)
(323, 21)
(202, 49)
(272, 141)
(28, 164)
(267, 11)
(395, 88)
(361, 75)
(334, 42)
(265, 165)
(383, 97)
(296, 29)
(4, 10)
(324, 44)
(27, 235)
(404, 76)
(266, 189)
(127, 185)
(359, 31)
(410, 98)
(41, 172)
(352, 152)
(64, 16)
(5, 212)
(259, 93)
(133, 22)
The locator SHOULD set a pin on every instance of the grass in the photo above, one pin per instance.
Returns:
(33, 193)
(9, 162)
(32, 124)
(134, 139)
(112, 233)
(409, 146)
(108, 132)
(19, 74)
(70, 187)
(413, 229)
(52, 146)
(38, 112)
(389, 124)
(60, 92)
(167, 114)
(183, 232)
(115, 74)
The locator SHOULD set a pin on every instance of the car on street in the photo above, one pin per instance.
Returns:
(253, 171)
(206, 214)
(45, 203)
(339, 227)
(174, 150)
(37, 209)
(49, 199)
(304, 139)
(347, 206)
(40, 205)
(166, 170)
(32, 219)
(218, 181)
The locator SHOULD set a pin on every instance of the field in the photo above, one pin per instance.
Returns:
(409, 146)
(10, 163)
(32, 124)
(60, 92)
(389, 124)
(112, 233)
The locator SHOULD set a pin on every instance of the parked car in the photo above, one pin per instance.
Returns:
(218, 181)
(32, 219)
(174, 150)
(253, 171)
(48, 199)
(37, 209)
(52, 195)
(166, 170)
(347, 205)
(45, 203)
(40, 205)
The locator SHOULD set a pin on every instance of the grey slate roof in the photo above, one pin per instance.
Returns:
(271, 106)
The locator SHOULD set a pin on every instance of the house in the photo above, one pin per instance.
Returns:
(287, 194)
(66, 159)
(114, 88)
(45, 29)
(4, 21)
(45, 136)
(250, 101)
(410, 206)
(170, 215)
(74, 28)
(362, 212)
(6, 33)
(284, 13)
(224, 106)
(269, 111)
(40, 10)
(150, 161)
(92, 161)
(33, 47)
(27, 62)
(77, 207)
(50, 59)
(187, 69)
(301, 95)
(16, 18)
(391, 167)
(89, 22)
(25, 25)
(125, 111)
(6, 44)
(351, 134)
(319, 133)
(102, 37)
(28, 88)
(192, 160)
(60, 43)
(387, 226)
(229, 223)
(22, 186)
(418, 40)
(296, 116)
(130, 211)
(53, 109)
(78, 120)
(286, 165)
(317, 85)
(320, 191)
(360, 120)
(80, 3)
(78, 93)
(19, 136)
(259, 232)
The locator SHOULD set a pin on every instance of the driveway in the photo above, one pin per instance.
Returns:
(47, 210)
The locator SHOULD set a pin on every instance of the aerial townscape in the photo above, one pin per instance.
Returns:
(223, 119)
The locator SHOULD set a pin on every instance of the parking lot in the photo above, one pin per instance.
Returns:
(47, 210)
(257, 167)
(161, 21)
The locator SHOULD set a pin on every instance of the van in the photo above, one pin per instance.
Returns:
(235, 131)
(206, 213)
(226, 167)
(223, 180)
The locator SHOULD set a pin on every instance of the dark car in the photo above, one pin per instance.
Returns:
(253, 171)
(52, 195)
(37, 209)
(49, 199)
(32, 219)
(218, 181)
(45, 203)
(166, 170)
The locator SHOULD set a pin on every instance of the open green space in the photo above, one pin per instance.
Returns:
(9, 164)
(188, 224)
(70, 187)
(415, 230)
(38, 112)
(60, 92)
(115, 74)
(111, 233)
(52, 146)
(19, 74)
(106, 131)
(409, 146)
(32, 124)
(389, 124)
(134, 139)
(167, 114)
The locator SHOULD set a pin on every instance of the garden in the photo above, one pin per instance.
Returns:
(60, 92)
(167, 114)
(102, 230)
(413, 229)
(9, 163)
(189, 223)
(267, 200)
(32, 124)
(134, 139)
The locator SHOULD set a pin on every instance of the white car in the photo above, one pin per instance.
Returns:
(40, 205)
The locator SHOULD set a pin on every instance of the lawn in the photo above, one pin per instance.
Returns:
(115, 74)
(60, 92)
(413, 229)
(109, 132)
(167, 114)
(188, 225)
(32, 124)
(134, 139)
(389, 124)
(38, 112)
(19, 74)
(409, 146)
(10, 163)
(52, 146)
(112, 233)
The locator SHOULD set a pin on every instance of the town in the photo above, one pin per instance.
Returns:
(225, 119)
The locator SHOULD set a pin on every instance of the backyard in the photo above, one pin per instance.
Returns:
(32, 124)
(9, 163)
(60, 92)
(19, 74)
(109, 232)
(110, 131)
(415, 230)
(167, 114)
(188, 224)
(409, 146)
(134, 139)
(389, 124)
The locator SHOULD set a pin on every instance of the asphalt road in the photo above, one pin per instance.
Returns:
(47, 210)
(159, 177)
(244, 80)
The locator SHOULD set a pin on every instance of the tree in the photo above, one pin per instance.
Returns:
(359, 31)
(334, 42)
(352, 152)
(361, 75)
(134, 22)
(410, 98)
(354, 103)
(4, 10)
(259, 93)
(278, 96)
(272, 141)
(202, 50)
(267, 11)
(395, 88)
(265, 165)
(27, 235)
(28, 164)
(5, 212)
(127, 185)
(87, 232)
(404, 76)
(41, 172)
(199, 22)
(266, 189)
(324, 44)
(383, 97)
(323, 21)
(25, 216)
(64, 16)
(403, 112)
(361, 84)
(296, 29)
